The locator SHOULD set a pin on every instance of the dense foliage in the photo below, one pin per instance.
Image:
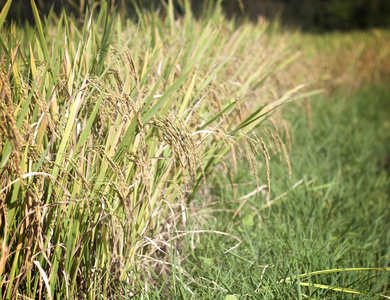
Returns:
(320, 15)
(108, 128)
(116, 133)
(311, 15)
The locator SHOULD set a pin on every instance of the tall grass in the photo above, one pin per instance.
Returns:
(108, 128)
(326, 237)
(348, 61)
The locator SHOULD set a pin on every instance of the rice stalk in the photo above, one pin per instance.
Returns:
(109, 129)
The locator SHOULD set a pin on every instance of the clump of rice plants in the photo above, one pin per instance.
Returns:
(325, 236)
(108, 128)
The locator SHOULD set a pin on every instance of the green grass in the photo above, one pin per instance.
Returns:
(337, 218)
(117, 135)
(108, 126)
(346, 60)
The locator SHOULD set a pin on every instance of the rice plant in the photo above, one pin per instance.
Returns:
(108, 128)
(325, 236)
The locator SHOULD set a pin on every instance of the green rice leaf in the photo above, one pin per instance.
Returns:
(4, 12)
(164, 98)
(41, 34)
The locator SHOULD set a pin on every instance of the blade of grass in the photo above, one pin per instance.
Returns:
(4, 12)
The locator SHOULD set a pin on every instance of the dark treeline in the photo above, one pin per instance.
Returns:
(309, 15)
(322, 15)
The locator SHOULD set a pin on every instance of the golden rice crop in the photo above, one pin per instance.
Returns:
(108, 128)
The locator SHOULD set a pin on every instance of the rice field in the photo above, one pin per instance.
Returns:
(114, 132)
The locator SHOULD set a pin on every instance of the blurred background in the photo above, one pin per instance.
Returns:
(308, 15)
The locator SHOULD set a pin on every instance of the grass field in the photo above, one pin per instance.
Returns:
(337, 216)
(160, 157)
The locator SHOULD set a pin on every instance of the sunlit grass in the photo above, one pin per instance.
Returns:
(347, 60)
(115, 134)
(109, 128)
(326, 235)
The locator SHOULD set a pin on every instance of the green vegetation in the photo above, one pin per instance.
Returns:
(126, 149)
(309, 15)
(319, 15)
(347, 61)
(107, 126)
(334, 215)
